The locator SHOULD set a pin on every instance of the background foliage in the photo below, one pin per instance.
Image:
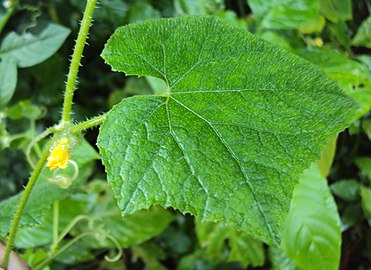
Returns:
(35, 47)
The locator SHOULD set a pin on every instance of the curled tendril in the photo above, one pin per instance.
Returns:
(118, 247)
(62, 179)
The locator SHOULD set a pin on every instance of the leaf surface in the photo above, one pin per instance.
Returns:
(31, 49)
(352, 76)
(312, 236)
(286, 14)
(8, 80)
(363, 35)
(228, 137)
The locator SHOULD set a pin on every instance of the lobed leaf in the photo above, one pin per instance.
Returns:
(237, 123)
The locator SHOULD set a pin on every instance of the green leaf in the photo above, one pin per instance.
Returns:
(276, 39)
(141, 11)
(352, 214)
(346, 189)
(201, 7)
(8, 80)
(131, 230)
(327, 157)
(364, 164)
(286, 14)
(232, 18)
(99, 204)
(25, 109)
(242, 247)
(44, 193)
(353, 77)
(366, 126)
(151, 254)
(363, 35)
(37, 205)
(228, 137)
(279, 260)
(341, 32)
(336, 10)
(312, 237)
(75, 254)
(31, 49)
(366, 202)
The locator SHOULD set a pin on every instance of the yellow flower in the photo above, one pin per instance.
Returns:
(318, 42)
(59, 155)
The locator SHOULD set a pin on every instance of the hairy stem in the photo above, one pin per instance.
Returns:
(54, 247)
(76, 59)
(18, 213)
(95, 121)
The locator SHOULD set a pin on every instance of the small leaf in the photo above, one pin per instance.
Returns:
(286, 14)
(346, 189)
(31, 49)
(242, 247)
(280, 261)
(352, 214)
(366, 202)
(8, 80)
(366, 126)
(201, 7)
(151, 255)
(228, 137)
(25, 109)
(327, 157)
(364, 164)
(363, 35)
(353, 77)
(311, 237)
(336, 10)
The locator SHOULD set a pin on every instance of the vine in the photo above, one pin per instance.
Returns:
(65, 127)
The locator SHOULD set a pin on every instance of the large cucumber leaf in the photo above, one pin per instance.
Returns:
(237, 123)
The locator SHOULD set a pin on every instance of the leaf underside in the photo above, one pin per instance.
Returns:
(227, 139)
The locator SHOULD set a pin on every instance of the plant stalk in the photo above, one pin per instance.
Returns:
(95, 121)
(76, 59)
(6, 18)
(54, 247)
(20, 208)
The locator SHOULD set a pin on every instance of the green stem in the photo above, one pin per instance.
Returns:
(71, 225)
(6, 19)
(18, 214)
(95, 121)
(76, 59)
(55, 226)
